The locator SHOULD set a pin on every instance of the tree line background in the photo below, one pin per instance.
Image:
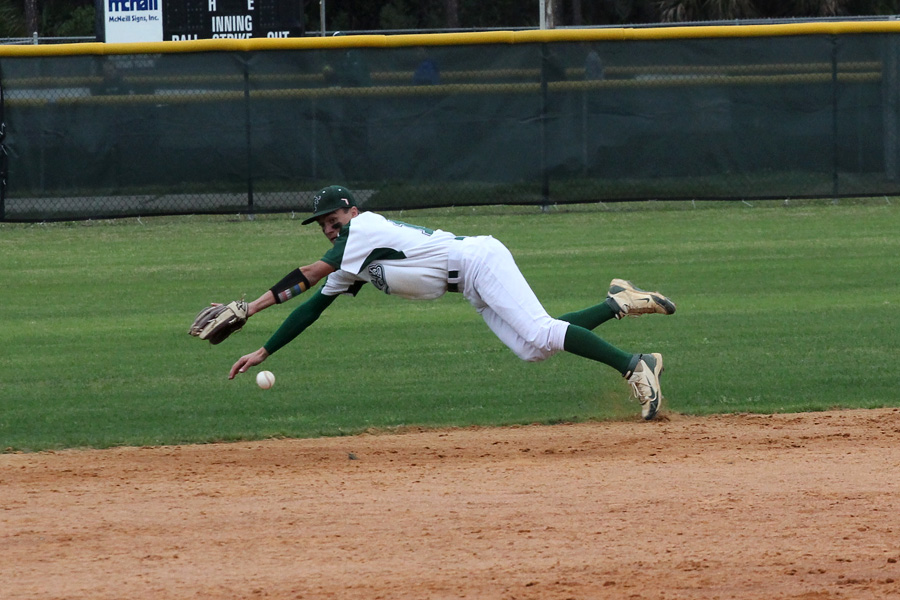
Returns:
(65, 18)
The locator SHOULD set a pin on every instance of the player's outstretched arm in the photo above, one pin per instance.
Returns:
(247, 361)
(303, 316)
(261, 303)
(293, 284)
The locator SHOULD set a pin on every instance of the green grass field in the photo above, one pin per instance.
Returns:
(780, 308)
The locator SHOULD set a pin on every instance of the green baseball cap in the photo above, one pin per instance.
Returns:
(330, 199)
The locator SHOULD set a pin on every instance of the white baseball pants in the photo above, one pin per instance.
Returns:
(491, 281)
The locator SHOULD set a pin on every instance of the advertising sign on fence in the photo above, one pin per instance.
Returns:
(162, 20)
(131, 21)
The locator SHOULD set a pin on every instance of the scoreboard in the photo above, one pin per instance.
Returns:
(210, 19)
(123, 21)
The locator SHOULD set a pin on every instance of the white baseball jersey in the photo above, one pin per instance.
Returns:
(416, 263)
(397, 258)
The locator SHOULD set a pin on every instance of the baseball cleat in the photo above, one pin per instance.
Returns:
(644, 380)
(629, 301)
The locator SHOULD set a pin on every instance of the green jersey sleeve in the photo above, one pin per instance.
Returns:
(335, 255)
(297, 322)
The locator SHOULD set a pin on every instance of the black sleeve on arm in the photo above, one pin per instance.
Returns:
(297, 322)
(293, 284)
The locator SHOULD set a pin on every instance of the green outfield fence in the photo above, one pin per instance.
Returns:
(411, 121)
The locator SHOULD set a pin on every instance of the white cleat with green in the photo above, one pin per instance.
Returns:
(644, 380)
(629, 301)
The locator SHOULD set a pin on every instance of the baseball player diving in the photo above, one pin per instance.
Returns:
(422, 264)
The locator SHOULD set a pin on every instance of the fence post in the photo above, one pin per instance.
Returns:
(3, 154)
(834, 119)
(249, 136)
(545, 173)
(890, 83)
(2, 173)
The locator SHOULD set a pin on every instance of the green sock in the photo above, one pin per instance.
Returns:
(590, 318)
(584, 343)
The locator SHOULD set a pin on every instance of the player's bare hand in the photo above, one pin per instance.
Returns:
(247, 361)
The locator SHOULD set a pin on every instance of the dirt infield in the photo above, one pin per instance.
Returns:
(790, 506)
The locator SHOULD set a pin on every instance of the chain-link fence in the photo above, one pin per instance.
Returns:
(36, 40)
(457, 119)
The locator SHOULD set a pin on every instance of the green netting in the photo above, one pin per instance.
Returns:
(103, 135)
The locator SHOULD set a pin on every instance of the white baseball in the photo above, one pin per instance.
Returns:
(265, 379)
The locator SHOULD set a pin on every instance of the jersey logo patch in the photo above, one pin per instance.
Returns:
(376, 272)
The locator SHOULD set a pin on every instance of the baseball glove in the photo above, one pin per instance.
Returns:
(217, 322)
